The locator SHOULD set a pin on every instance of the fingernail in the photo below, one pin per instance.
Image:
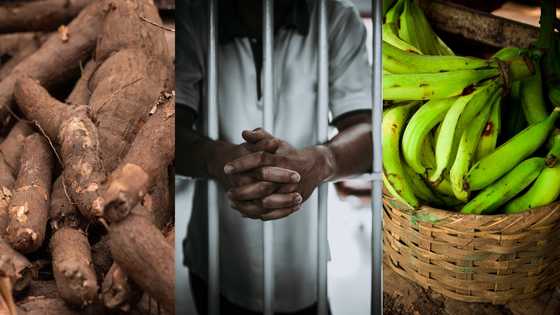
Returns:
(228, 169)
(299, 198)
(295, 178)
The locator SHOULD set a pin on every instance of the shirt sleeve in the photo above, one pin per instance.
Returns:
(349, 70)
(190, 54)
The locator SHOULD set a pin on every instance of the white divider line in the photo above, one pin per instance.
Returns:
(377, 185)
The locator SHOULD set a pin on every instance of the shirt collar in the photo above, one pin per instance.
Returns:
(298, 18)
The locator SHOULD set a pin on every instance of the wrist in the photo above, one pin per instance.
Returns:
(326, 162)
(216, 159)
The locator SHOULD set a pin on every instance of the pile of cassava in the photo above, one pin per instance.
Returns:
(87, 128)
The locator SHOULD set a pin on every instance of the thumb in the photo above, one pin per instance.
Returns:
(255, 135)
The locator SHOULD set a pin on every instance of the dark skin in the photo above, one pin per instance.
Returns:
(348, 153)
(266, 177)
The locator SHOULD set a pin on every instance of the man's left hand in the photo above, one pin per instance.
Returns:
(314, 164)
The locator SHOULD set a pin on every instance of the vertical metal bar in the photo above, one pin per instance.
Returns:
(322, 135)
(268, 124)
(377, 186)
(212, 132)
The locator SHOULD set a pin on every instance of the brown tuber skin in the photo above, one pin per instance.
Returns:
(62, 212)
(81, 93)
(27, 46)
(124, 89)
(72, 261)
(44, 306)
(157, 201)
(151, 151)
(72, 265)
(29, 207)
(21, 276)
(10, 152)
(117, 291)
(57, 60)
(147, 258)
(12, 146)
(41, 15)
(134, 69)
(73, 130)
(10, 44)
(7, 304)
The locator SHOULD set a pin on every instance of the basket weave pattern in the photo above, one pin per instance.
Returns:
(474, 258)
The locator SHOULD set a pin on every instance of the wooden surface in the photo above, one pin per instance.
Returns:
(479, 26)
(402, 297)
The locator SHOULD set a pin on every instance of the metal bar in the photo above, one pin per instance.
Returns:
(268, 124)
(212, 132)
(322, 135)
(377, 184)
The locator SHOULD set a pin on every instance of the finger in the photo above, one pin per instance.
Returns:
(287, 188)
(278, 201)
(255, 135)
(252, 191)
(280, 213)
(250, 209)
(269, 145)
(237, 180)
(248, 162)
(277, 175)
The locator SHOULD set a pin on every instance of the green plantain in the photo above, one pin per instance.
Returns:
(394, 120)
(416, 30)
(454, 123)
(489, 138)
(508, 53)
(394, 13)
(396, 60)
(420, 188)
(424, 86)
(532, 99)
(507, 187)
(465, 153)
(419, 126)
(390, 36)
(509, 154)
(542, 192)
(553, 155)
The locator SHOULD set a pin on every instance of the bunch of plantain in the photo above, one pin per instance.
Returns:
(444, 144)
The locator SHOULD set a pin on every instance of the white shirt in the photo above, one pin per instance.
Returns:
(295, 111)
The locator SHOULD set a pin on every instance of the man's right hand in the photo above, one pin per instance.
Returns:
(249, 188)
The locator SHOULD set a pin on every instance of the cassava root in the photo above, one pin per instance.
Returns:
(72, 128)
(29, 206)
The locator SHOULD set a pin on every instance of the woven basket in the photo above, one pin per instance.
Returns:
(474, 258)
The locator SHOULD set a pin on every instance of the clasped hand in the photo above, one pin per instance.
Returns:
(272, 179)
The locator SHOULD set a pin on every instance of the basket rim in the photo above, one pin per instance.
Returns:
(450, 213)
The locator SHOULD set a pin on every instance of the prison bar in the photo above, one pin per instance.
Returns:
(268, 124)
(212, 132)
(377, 164)
(322, 137)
